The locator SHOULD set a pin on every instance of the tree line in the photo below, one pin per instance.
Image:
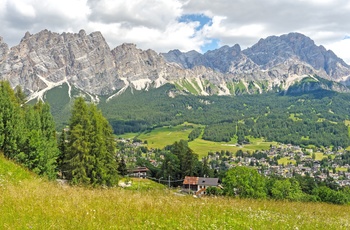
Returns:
(315, 118)
(246, 182)
(84, 153)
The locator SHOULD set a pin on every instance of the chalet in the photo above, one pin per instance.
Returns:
(198, 185)
(138, 172)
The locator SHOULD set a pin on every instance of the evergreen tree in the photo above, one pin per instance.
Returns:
(27, 133)
(39, 152)
(122, 167)
(20, 95)
(11, 123)
(90, 156)
(48, 132)
(62, 147)
(188, 159)
(205, 170)
(170, 167)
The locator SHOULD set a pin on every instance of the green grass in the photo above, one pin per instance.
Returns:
(198, 89)
(33, 203)
(161, 137)
(127, 135)
(231, 87)
(319, 156)
(286, 161)
(295, 117)
(12, 173)
(144, 184)
(202, 147)
(341, 169)
(239, 87)
(189, 87)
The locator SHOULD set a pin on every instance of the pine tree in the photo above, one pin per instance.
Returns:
(90, 154)
(188, 159)
(39, 152)
(122, 167)
(27, 134)
(62, 146)
(20, 95)
(11, 123)
(48, 132)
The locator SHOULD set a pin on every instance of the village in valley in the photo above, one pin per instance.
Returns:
(283, 160)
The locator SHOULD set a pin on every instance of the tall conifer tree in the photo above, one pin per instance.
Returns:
(11, 123)
(90, 157)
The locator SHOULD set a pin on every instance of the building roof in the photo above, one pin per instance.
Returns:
(191, 180)
(201, 181)
(139, 170)
(208, 181)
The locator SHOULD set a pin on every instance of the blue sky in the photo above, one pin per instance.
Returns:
(203, 20)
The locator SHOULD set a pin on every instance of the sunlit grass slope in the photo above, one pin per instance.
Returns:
(161, 137)
(28, 202)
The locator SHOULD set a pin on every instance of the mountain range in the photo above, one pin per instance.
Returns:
(286, 63)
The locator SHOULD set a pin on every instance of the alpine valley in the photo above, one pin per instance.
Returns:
(266, 88)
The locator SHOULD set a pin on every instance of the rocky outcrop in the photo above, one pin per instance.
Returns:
(4, 49)
(46, 60)
(295, 47)
(270, 59)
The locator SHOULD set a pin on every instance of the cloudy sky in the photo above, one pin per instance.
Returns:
(186, 25)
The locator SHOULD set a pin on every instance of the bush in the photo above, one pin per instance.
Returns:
(214, 191)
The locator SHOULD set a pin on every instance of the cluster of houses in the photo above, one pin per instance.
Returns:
(299, 161)
(192, 185)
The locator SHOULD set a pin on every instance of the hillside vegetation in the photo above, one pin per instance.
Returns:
(167, 135)
(28, 202)
(315, 118)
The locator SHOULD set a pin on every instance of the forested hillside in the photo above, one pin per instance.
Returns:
(318, 118)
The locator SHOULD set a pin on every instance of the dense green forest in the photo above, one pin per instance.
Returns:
(85, 152)
(317, 118)
(27, 133)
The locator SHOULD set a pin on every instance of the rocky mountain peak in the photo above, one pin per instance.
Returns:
(47, 59)
(274, 51)
(4, 49)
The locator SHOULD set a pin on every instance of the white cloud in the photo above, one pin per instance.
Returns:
(175, 36)
(341, 48)
(154, 24)
(150, 13)
(25, 9)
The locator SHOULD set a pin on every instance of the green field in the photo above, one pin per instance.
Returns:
(341, 169)
(29, 202)
(286, 161)
(160, 137)
(319, 156)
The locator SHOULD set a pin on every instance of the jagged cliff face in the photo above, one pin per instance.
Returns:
(46, 60)
(271, 58)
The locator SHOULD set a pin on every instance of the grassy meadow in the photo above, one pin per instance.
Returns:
(160, 137)
(29, 202)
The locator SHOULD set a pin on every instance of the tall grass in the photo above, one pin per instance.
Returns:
(34, 203)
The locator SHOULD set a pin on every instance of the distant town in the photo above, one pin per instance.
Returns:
(282, 160)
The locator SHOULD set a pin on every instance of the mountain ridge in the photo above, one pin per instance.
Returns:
(47, 59)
